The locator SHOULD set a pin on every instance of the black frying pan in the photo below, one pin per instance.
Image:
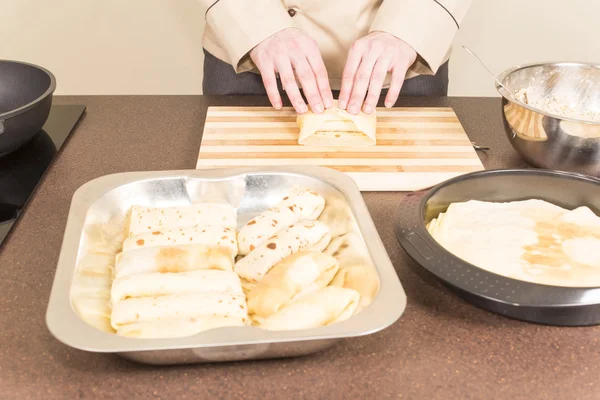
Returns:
(25, 98)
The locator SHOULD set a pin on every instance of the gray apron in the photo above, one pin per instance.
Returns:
(220, 79)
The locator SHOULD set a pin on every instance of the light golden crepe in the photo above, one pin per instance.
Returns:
(143, 219)
(337, 128)
(188, 305)
(356, 268)
(301, 236)
(161, 284)
(322, 307)
(299, 204)
(295, 276)
(172, 328)
(172, 259)
(213, 236)
(532, 240)
(338, 216)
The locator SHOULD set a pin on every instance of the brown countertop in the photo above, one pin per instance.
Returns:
(441, 348)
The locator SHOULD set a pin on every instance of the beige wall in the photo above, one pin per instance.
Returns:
(153, 46)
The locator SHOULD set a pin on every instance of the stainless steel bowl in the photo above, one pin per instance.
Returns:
(556, 123)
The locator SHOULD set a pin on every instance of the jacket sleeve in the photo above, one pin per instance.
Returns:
(428, 26)
(242, 24)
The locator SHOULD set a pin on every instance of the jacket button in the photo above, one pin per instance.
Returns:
(292, 12)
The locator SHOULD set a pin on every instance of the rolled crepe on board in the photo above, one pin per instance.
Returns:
(356, 268)
(320, 308)
(300, 236)
(171, 259)
(299, 204)
(143, 219)
(162, 284)
(172, 328)
(337, 128)
(210, 235)
(295, 276)
(188, 305)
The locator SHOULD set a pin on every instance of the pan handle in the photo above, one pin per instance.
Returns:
(1, 126)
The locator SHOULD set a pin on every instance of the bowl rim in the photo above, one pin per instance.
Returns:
(504, 74)
(49, 91)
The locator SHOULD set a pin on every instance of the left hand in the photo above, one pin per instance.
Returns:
(369, 61)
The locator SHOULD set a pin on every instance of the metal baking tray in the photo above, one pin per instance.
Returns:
(544, 304)
(251, 190)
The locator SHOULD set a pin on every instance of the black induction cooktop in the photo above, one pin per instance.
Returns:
(22, 170)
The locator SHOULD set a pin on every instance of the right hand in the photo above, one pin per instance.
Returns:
(292, 54)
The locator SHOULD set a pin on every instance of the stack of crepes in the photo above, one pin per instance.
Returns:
(175, 275)
(294, 278)
(531, 240)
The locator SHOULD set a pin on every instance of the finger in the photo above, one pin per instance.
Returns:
(352, 63)
(269, 79)
(361, 83)
(288, 81)
(382, 66)
(320, 71)
(398, 75)
(308, 81)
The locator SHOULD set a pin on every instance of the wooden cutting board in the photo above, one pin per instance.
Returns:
(416, 147)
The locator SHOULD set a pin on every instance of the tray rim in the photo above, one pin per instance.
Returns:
(67, 327)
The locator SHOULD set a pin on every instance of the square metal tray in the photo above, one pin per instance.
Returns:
(251, 190)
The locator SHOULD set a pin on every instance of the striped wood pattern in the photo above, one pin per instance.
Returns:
(416, 147)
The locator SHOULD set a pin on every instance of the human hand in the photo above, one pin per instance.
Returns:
(292, 54)
(369, 60)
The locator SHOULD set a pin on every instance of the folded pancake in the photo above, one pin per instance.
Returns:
(143, 219)
(532, 240)
(93, 309)
(172, 328)
(300, 236)
(338, 216)
(162, 284)
(337, 128)
(210, 235)
(188, 305)
(190, 257)
(295, 276)
(356, 268)
(322, 307)
(299, 204)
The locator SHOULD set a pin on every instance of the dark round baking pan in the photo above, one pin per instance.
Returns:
(544, 304)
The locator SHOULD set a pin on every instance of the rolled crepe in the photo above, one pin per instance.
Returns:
(323, 307)
(337, 128)
(295, 276)
(211, 235)
(171, 328)
(161, 284)
(189, 305)
(356, 268)
(150, 219)
(171, 259)
(300, 204)
(338, 216)
(300, 236)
